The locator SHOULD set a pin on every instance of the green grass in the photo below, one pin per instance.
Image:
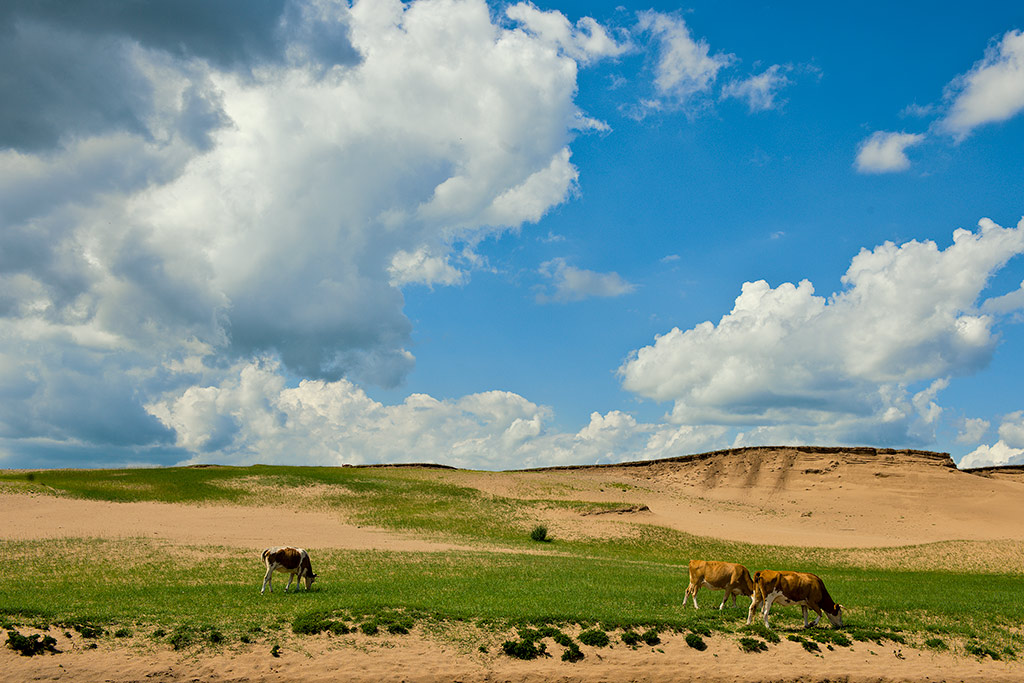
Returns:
(197, 595)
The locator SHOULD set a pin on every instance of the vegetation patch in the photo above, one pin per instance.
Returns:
(748, 644)
(29, 646)
(594, 638)
(760, 630)
(524, 649)
(981, 650)
(936, 644)
(695, 641)
(808, 645)
(630, 638)
(876, 635)
(540, 534)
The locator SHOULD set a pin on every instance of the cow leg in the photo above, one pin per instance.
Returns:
(734, 599)
(692, 592)
(268, 580)
(290, 577)
(767, 608)
(754, 604)
(804, 608)
(725, 598)
(816, 620)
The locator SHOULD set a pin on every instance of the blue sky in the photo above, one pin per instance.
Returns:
(503, 235)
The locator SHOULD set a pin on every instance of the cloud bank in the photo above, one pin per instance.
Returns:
(863, 365)
(255, 180)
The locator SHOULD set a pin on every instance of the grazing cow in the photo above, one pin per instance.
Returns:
(734, 579)
(292, 561)
(793, 588)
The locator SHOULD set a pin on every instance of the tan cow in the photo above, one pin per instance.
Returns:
(292, 561)
(793, 588)
(734, 579)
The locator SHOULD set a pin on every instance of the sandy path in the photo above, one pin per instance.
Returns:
(37, 516)
(420, 658)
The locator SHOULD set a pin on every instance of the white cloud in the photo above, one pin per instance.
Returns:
(584, 42)
(993, 90)
(252, 416)
(885, 152)
(576, 284)
(272, 206)
(788, 363)
(972, 430)
(760, 90)
(1011, 431)
(686, 68)
(420, 267)
(996, 455)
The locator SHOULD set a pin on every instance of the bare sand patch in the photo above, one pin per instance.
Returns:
(37, 516)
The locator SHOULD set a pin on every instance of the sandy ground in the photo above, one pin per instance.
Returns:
(853, 499)
(424, 657)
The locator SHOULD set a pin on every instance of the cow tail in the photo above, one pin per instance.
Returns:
(750, 583)
(264, 555)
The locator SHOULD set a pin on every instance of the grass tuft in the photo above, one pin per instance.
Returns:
(30, 646)
(696, 642)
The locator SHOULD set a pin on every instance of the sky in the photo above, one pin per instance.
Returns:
(501, 235)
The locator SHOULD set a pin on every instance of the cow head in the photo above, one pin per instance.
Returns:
(309, 578)
(837, 618)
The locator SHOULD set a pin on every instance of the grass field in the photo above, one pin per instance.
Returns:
(638, 581)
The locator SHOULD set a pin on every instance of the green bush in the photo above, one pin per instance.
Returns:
(753, 644)
(29, 646)
(651, 637)
(630, 638)
(696, 642)
(936, 644)
(572, 653)
(982, 651)
(123, 633)
(540, 534)
(275, 651)
(181, 638)
(311, 623)
(523, 649)
(760, 630)
(370, 628)
(594, 638)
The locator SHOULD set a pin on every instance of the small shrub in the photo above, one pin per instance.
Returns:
(540, 534)
(310, 623)
(159, 633)
(30, 646)
(875, 635)
(748, 644)
(123, 633)
(483, 649)
(651, 637)
(630, 638)
(215, 637)
(594, 638)
(979, 650)
(572, 653)
(696, 642)
(370, 628)
(936, 644)
(339, 628)
(523, 649)
(181, 638)
(245, 638)
(760, 630)
(275, 651)
(831, 636)
(86, 630)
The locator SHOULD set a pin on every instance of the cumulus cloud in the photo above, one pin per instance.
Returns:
(862, 365)
(584, 42)
(1008, 450)
(576, 284)
(252, 415)
(993, 90)
(972, 430)
(685, 68)
(758, 91)
(885, 152)
(252, 179)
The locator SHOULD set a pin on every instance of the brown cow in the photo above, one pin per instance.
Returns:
(292, 561)
(793, 588)
(734, 579)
